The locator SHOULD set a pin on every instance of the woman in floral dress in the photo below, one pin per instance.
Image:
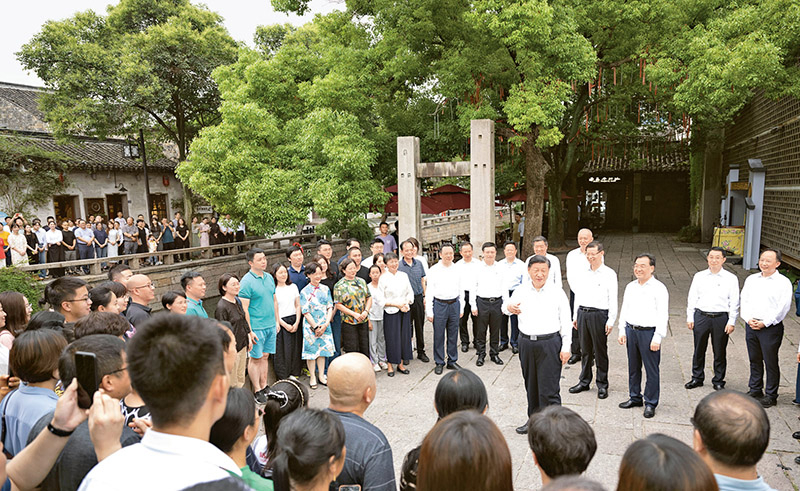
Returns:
(316, 305)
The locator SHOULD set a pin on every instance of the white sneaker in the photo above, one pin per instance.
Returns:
(376, 367)
(383, 365)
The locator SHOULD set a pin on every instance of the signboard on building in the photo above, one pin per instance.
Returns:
(205, 209)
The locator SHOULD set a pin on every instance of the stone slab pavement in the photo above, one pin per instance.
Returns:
(404, 410)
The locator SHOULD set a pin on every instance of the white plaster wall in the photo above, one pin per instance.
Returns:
(98, 185)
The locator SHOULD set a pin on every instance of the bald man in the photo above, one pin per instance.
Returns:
(577, 265)
(351, 388)
(142, 292)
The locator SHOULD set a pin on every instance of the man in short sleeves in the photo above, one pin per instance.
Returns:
(258, 301)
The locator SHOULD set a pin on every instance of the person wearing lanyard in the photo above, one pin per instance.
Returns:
(766, 299)
(513, 274)
(487, 297)
(711, 309)
(595, 312)
(545, 334)
(443, 301)
(642, 326)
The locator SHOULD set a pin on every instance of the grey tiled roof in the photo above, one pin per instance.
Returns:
(88, 154)
(673, 161)
(23, 96)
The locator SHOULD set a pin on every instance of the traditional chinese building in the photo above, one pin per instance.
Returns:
(102, 179)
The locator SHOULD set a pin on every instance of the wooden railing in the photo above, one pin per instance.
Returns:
(168, 257)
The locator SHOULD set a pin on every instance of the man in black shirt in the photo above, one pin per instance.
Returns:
(142, 292)
(351, 388)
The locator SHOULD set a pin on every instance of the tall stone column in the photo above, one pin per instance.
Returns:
(482, 216)
(408, 189)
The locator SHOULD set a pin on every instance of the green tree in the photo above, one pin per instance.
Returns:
(30, 175)
(147, 63)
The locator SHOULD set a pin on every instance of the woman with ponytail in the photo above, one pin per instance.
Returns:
(310, 451)
(234, 431)
(283, 398)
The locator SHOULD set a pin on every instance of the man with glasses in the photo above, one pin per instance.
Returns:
(142, 292)
(79, 456)
(69, 297)
(595, 312)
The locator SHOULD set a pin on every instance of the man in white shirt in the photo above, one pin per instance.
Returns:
(443, 300)
(711, 310)
(487, 298)
(185, 393)
(545, 334)
(376, 247)
(766, 299)
(540, 249)
(514, 272)
(595, 312)
(642, 326)
(576, 265)
(467, 270)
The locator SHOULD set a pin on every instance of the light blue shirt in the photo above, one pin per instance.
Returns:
(23, 407)
(726, 483)
(261, 293)
(513, 273)
(195, 307)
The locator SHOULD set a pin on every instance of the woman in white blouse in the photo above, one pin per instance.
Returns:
(377, 341)
(397, 294)
(114, 240)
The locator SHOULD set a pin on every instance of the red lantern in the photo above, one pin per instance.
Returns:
(165, 180)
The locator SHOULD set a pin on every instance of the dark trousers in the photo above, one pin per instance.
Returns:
(541, 370)
(797, 386)
(289, 350)
(355, 338)
(336, 330)
(594, 346)
(445, 322)
(762, 348)
(397, 331)
(575, 347)
(639, 354)
(514, 321)
(418, 319)
(705, 326)
(489, 316)
(463, 328)
(85, 252)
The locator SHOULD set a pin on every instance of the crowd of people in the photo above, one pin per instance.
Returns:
(34, 242)
(170, 398)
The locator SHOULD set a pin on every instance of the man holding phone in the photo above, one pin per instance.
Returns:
(104, 366)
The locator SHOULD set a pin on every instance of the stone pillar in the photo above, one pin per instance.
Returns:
(408, 189)
(482, 217)
(755, 211)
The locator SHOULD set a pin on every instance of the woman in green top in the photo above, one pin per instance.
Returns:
(353, 299)
(234, 432)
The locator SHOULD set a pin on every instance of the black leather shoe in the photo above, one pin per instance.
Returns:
(575, 389)
(756, 395)
(630, 403)
(602, 393)
(464, 348)
(438, 370)
(453, 366)
(796, 435)
(479, 362)
(496, 359)
(649, 412)
(503, 347)
(797, 460)
(421, 356)
(574, 359)
(404, 371)
(692, 384)
(719, 386)
(523, 430)
(515, 350)
(768, 401)
(390, 374)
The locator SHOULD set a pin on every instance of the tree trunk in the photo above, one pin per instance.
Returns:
(555, 231)
(535, 169)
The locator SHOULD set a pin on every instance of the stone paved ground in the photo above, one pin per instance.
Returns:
(404, 406)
